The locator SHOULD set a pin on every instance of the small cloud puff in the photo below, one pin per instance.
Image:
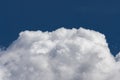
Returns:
(64, 54)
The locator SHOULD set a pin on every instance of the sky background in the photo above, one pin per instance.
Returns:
(48, 15)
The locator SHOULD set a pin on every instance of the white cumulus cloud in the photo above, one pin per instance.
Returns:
(64, 54)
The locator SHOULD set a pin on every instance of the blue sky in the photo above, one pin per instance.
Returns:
(48, 15)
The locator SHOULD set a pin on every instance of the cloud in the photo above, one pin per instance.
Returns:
(64, 54)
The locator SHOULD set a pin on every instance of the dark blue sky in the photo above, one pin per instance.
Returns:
(20, 15)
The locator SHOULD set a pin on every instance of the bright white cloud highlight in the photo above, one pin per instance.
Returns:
(64, 54)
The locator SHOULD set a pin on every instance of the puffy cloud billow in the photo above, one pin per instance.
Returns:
(64, 54)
